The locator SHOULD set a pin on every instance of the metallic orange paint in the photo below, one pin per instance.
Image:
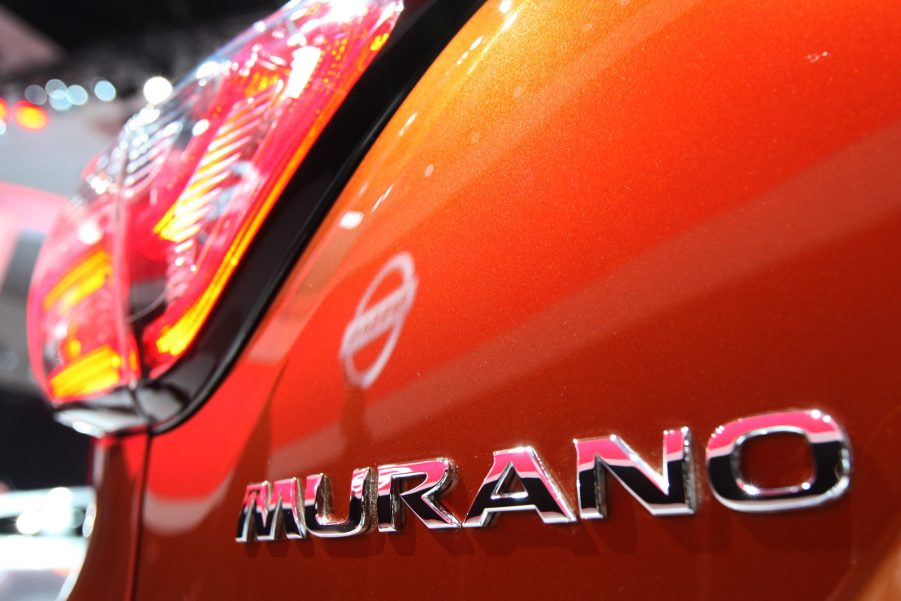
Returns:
(624, 218)
(118, 475)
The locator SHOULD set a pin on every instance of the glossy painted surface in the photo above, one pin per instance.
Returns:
(118, 476)
(620, 219)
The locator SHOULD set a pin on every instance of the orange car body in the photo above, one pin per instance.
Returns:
(612, 219)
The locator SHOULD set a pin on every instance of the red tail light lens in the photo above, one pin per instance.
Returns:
(131, 271)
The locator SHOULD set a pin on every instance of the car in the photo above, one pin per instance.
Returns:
(503, 298)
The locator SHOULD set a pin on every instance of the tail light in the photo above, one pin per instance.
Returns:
(135, 265)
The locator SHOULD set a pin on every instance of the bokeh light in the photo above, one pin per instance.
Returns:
(104, 91)
(30, 117)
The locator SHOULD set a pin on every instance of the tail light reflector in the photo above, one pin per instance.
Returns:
(133, 268)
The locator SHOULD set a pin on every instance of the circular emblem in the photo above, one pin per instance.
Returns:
(373, 320)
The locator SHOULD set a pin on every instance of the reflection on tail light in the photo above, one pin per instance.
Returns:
(133, 268)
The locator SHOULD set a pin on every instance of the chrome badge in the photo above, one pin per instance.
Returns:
(518, 480)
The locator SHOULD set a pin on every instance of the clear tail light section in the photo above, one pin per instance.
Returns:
(135, 265)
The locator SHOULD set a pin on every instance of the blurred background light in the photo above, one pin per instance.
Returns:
(60, 104)
(77, 95)
(29, 116)
(36, 94)
(56, 88)
(29, 522)
(104, 91)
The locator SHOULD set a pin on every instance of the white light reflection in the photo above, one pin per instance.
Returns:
(144, 117)
(407, 125)
(200, 127)
(90, 514)
(381, 198)
(303, 63)
(157, 89)
(208, 69)
(85, 428)
(350, 220)
(816, 56)
(344, 11)
(88, 232)
(505, 6)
